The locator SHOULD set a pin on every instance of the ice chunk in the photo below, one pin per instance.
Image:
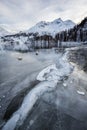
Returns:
(3, 96)
(80, 92)
(64, 84)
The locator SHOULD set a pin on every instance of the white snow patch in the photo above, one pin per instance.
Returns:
(64, 84)
(80, 92)
(43, 74)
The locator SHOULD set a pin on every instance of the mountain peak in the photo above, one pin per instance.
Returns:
(51, 28)
(57, 21)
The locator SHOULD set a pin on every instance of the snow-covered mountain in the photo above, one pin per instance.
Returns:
(51, 28)
(46, 35)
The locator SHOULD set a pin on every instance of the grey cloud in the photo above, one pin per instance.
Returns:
(29, 12)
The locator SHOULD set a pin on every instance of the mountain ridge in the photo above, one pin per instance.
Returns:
(51, 28)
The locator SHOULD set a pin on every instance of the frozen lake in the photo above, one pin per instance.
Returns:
(61, 108)
(16, 75)
(11, 68)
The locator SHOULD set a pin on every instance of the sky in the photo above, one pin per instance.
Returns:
(23, 14)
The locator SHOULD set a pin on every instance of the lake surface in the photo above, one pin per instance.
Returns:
(61, 109)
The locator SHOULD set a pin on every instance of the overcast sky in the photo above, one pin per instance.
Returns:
(22, 14)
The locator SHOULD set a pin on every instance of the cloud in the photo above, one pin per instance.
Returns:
(25, 13)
